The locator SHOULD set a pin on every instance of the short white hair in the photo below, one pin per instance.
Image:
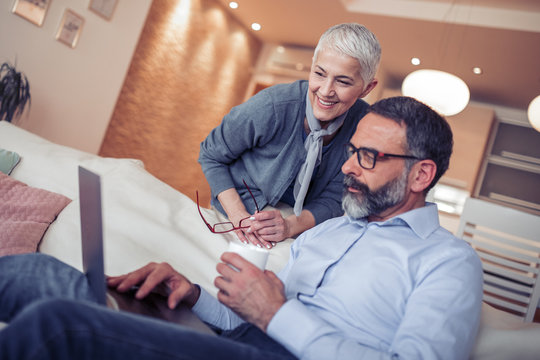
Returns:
(356, 41)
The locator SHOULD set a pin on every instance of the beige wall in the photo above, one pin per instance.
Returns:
(471, 129)
(73, 90)
(192, 64)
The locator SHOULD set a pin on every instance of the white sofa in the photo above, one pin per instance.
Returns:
(147, 220)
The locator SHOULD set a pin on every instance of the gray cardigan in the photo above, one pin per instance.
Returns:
(261, 141)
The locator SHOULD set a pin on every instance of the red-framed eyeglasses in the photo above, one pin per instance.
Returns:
(227, 226)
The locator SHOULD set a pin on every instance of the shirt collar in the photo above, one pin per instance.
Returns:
(423, 221)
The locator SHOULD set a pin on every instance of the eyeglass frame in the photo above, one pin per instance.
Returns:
(376, 155)
(212, 227)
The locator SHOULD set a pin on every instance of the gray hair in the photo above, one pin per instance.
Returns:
(356, 41)
(429, 135)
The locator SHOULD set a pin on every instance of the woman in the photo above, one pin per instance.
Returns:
(286, 142)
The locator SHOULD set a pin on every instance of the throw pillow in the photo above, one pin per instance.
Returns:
(25, 214)
(8, 161)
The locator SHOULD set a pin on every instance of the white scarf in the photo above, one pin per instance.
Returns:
(313, 145)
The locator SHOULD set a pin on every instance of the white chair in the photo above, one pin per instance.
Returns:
(508, 243)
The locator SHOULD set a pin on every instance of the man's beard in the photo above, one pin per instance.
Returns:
(366, 202)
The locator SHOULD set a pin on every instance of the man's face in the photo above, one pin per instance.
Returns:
(366, 202)
(335, 84)
(382, 191)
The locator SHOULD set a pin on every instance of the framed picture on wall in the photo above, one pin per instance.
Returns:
(31, 10)
(103, 8)
(70, 28)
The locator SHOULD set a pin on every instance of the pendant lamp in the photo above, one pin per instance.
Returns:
(533, 113)
(445, 93)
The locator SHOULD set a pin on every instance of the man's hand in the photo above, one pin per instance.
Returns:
(251, 293)
(159, 278)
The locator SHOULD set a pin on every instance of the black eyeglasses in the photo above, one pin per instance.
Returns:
(367, 158)
(225, 227)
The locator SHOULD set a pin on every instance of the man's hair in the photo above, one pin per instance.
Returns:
(356, 41)
(428, 134)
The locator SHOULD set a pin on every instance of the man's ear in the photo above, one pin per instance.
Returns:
(422, 174)
(368, 88)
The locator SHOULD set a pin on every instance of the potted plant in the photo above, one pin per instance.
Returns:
(14, 92)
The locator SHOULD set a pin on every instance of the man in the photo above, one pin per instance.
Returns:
(384, 282)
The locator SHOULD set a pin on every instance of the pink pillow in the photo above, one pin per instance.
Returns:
(25, 215)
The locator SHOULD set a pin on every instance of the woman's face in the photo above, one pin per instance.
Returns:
(335, 84)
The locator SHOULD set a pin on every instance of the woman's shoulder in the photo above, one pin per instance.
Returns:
(356, 112)
(285, 92)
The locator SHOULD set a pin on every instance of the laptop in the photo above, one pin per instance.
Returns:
(92, 232)
(93, 264)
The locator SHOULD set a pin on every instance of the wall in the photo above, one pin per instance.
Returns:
(192, 64)
(74, 91)
(471, 128)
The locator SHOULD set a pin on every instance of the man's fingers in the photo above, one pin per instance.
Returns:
(113, 281)
(159, 274)
(231, 258)
(124, 283)
(225, 270)
(181, 288)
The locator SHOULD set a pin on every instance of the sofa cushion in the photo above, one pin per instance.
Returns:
(25, 215)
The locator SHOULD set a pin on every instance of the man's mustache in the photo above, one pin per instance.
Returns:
(350, 181)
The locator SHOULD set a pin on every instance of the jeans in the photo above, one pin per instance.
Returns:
(53, 315)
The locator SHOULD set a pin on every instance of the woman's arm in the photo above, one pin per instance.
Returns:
(236, 212)
(270, 226)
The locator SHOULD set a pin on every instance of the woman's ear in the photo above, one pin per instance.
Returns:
(422, 174)
(368, 88)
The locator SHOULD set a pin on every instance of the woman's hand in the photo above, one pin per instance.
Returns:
(246, 235)
(269, 226)
(236, 212)
(158, 278)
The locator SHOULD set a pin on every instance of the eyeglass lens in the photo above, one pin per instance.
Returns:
(228, 226)
(366, 158)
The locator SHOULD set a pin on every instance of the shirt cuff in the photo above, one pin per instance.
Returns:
(211, 311)
(294, 326)
(207, 307)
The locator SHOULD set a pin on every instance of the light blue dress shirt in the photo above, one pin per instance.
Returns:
(404, 288)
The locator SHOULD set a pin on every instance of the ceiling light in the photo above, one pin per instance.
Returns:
(477, 70)
(256, 26)
(534, 113)
(444, 92)
(415, 61)
(233, 5)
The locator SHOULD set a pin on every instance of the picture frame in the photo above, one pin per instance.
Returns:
(104, 8)
(32, 10)
(70, 28)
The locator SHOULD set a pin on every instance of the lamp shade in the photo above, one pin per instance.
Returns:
(534, 113)
(444, 92)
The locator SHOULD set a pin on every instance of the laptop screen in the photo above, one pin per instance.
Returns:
(92, 232)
